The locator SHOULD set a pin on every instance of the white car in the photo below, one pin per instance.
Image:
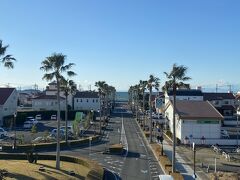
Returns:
(165, 177)
(53, 117)
(38, 117)
(31, 120)
(2, 132)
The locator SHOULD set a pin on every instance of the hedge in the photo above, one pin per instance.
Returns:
(41, 146)
(96, 171)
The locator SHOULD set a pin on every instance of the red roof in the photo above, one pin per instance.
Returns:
(4, 94)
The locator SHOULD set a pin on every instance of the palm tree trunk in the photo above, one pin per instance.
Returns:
(66, 120)
(150, 111)
(143, 111)
(100, 114)
(174, 128)
(58, 128)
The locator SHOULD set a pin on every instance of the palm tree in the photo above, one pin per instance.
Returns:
(130, 97)
(69, 87)
(176, 79)
(153, 82)
(6, 60)
(143, 85)
(54, 66)
(100, 85)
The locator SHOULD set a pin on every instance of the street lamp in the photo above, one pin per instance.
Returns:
(92, 121)
(14, 118)
(194, 161)
(238, 109)
(161, 140)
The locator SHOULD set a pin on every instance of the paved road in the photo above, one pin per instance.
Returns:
(137, 162)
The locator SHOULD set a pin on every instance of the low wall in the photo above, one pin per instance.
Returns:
(226, 142)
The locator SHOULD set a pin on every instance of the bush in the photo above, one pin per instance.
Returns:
(169, 134)
(147, 134)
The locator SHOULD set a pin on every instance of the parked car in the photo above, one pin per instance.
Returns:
(70, 129)
(32, 120)
(165, 177)
(3, 133)
(53, 117)
(38, 117)
(27, 125)
(54, 133)
(224, 134)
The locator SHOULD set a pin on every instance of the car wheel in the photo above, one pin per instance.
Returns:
(2, 135)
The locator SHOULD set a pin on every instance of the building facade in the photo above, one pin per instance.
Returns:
(225, 103)
(86, 100)
(194, 120)
(8, 102)
(47, 103)
(184, 94)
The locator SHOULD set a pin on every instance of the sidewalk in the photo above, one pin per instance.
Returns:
(182, 165)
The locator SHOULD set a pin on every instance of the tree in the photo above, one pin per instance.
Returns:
(153, 82)
(176, 79)
(69, 87)
(100, 85)
(54, 66)
(143, 85)
(6, 60)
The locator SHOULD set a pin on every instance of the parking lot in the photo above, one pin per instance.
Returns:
(43, 128)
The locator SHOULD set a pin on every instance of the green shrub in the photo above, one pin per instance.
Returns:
(147, 134)
(169, 134)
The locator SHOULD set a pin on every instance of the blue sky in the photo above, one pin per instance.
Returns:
(123, 41)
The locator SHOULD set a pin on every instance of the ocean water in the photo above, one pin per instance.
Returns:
(122, 96)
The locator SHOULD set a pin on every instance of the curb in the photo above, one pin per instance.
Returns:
(149, 145)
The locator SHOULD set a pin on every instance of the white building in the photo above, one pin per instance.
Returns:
(8, 102)
(184, 94)
(194, 119)
(51, 90)
(86, 100)
(48, 103)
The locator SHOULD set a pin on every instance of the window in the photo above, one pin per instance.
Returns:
(96, 100)
(93, 100)
(80, 100)
(87, 100)
(5, 109)
(226, 102)
(77, 100)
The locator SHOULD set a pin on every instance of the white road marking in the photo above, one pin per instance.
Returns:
(144, 171)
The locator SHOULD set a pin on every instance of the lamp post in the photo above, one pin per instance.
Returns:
(194, 161)
(161, 140)
(238, 109)
(92, 121)
(14, 118)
